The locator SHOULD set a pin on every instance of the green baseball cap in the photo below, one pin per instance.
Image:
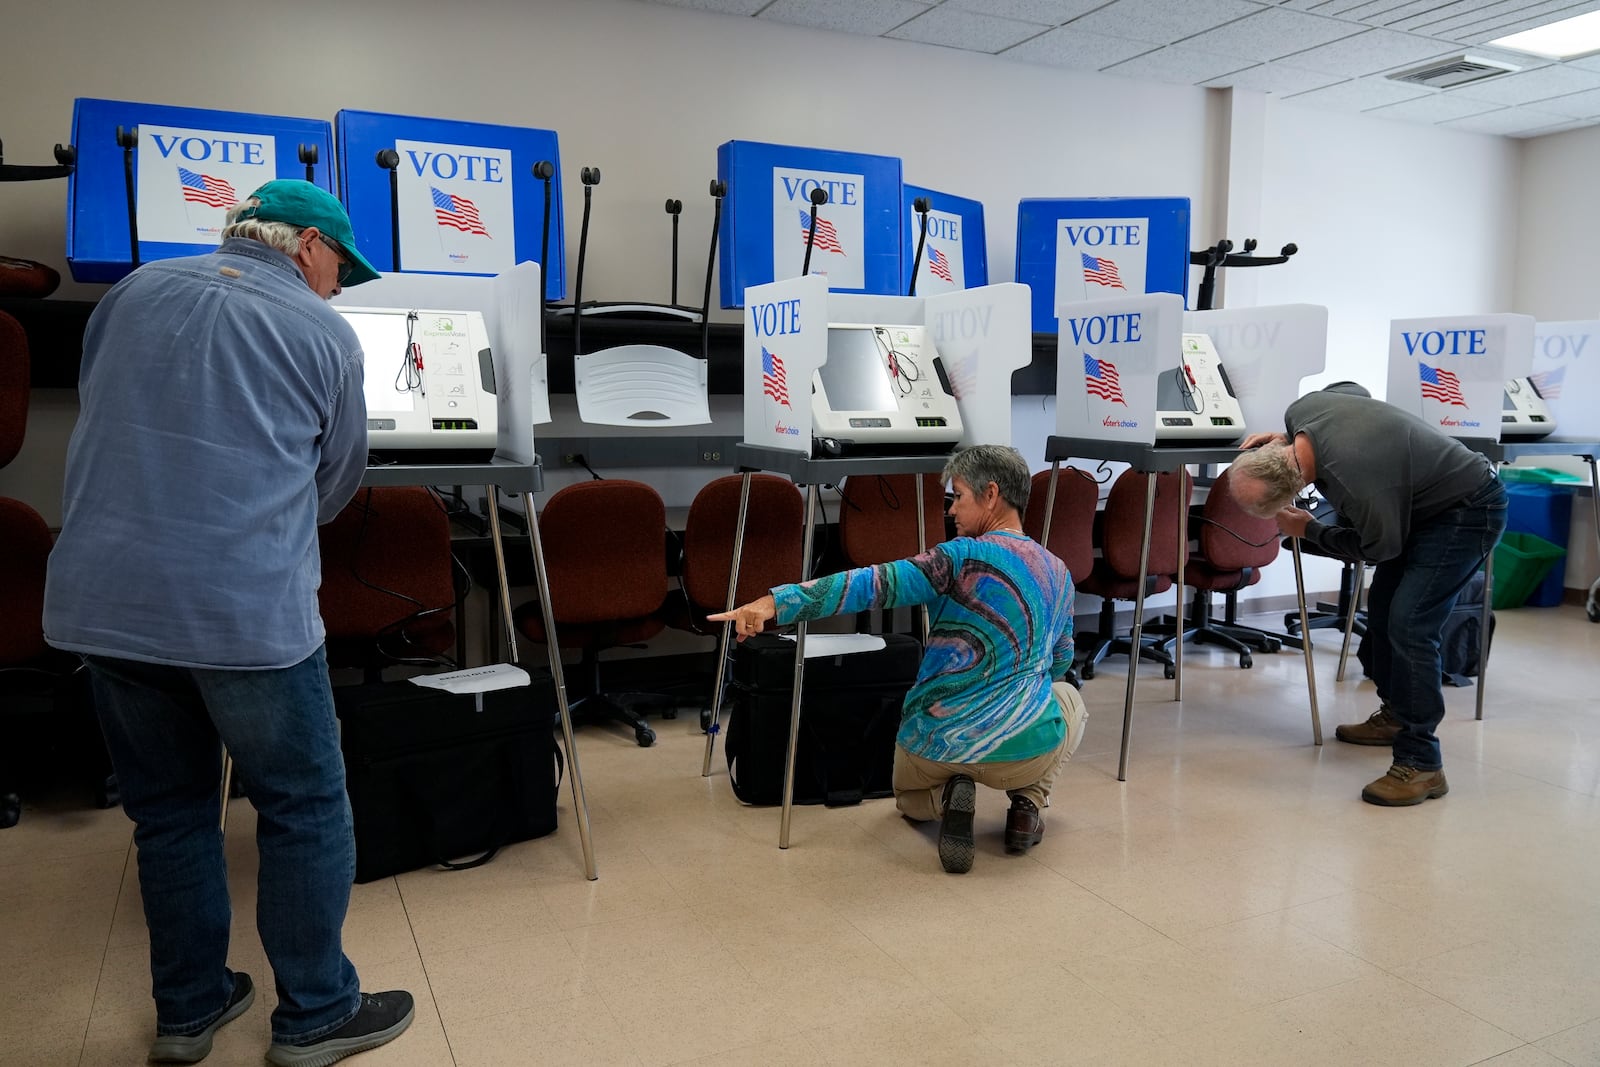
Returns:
(300, 203)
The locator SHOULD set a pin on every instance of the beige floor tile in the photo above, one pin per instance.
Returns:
(916, 1037)
(1579, 1046)
(1263, 1037)
(581, 1030)
(1526, 1056)
(793, 1051)
(722, 1014)
(1165, 987)
(523, 972)
(49, 989)
(44, 1043)
(451, 910)
(1380, 932)
(424, 1043)
(1519, 988)
(62, 828)
(1385, 1019)
(1041, 1015)
(1275, 958)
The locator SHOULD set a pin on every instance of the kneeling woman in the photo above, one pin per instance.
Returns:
(983, 708)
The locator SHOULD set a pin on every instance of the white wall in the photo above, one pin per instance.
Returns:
(1558, 246)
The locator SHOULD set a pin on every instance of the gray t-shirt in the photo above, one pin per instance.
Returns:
(1385, 471)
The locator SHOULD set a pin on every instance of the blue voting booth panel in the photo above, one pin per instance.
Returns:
(468, 200)
(1095, 247)
(769, 210)
(189, 166)
(956, 253)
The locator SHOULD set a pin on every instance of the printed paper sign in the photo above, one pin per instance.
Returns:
(456, 209)
(187, 180)
(839, 251)
(1110, 353)
(1452, 371)
(1100, 257)
(1566, 371)
(943, 255)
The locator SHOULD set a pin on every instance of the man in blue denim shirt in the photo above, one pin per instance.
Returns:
(222, 418)
(1422, 506)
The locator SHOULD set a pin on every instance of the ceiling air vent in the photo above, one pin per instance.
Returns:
(1457, 70)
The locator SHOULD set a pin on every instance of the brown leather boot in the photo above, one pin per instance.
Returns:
(1404, 786)
(1379, 729)
(1024, 825)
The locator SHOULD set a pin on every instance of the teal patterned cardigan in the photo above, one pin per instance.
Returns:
(1000, 633)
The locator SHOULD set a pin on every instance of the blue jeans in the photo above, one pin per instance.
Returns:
(1410, 599)
(165, 727)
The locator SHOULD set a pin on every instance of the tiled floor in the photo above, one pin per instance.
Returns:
(1233, 902)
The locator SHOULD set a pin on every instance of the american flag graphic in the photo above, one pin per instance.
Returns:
(939, 264)
(1439, 384)
(1101, 272)
(204, 189)
(456, 212)
(827, 236)
(774, 382)
(1548, 382)
(1100, 379)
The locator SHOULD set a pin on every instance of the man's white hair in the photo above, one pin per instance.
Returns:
(280, 235)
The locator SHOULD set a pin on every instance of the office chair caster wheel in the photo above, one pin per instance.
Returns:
(705, 720)
(10, 810)
(645, 736)
(1273, 645)
(1245, 662)
(1088, 671)
(1168, 671)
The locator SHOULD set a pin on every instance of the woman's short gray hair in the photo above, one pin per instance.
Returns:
(280, 235)
(1000, 464)
(1274, 468)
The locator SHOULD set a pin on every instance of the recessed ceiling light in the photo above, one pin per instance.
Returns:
(1577, 36)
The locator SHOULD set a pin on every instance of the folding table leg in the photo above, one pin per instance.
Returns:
(799, 675)
(1305, 632)
(1138, 625)
(580, 803)
(1483, 632)
(227, 787)
(727, 628)
(1350, 619)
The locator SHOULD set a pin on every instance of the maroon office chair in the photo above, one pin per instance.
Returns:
(878, 517)
(773, 535)
(1232, 546)
(607, 567)
(15, 379)
(1119, 530)
(389, 585)
(1072, 520)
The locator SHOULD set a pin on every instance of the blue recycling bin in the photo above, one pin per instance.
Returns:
(1544, 511)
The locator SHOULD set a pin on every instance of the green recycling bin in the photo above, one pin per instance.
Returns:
(1521, 561)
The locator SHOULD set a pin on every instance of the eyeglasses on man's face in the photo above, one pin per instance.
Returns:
(345, 266)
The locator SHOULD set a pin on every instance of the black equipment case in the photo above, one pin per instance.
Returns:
(848, 721)
(432, 778)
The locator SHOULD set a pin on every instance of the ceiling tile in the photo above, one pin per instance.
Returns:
(1586, 63)
(1509, 121)
(1271, 33)
(1417, 14)
(1361, 94)
(1161, 22)
(1178, 64)
(1066, 47)
(1578, 105)
(1532, 85)
(1435, 107)
(1498, 20)
(1368, 53)
(1570, 124)
(1045, 12)
(727, 7)
(1275, 78)
(874, 17)
(955, 28)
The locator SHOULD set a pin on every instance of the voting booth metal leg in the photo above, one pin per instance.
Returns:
(580, 803)
(799, 674)
(227, 786)
(1307, 648)
(1350, 619)
(1138, 625)
(1183, 556)
(1483, 632)
(1050, 503)
(727, 628)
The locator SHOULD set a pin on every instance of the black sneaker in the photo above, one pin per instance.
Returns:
(381, 1018)
(192, 1048)
(956, 850)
